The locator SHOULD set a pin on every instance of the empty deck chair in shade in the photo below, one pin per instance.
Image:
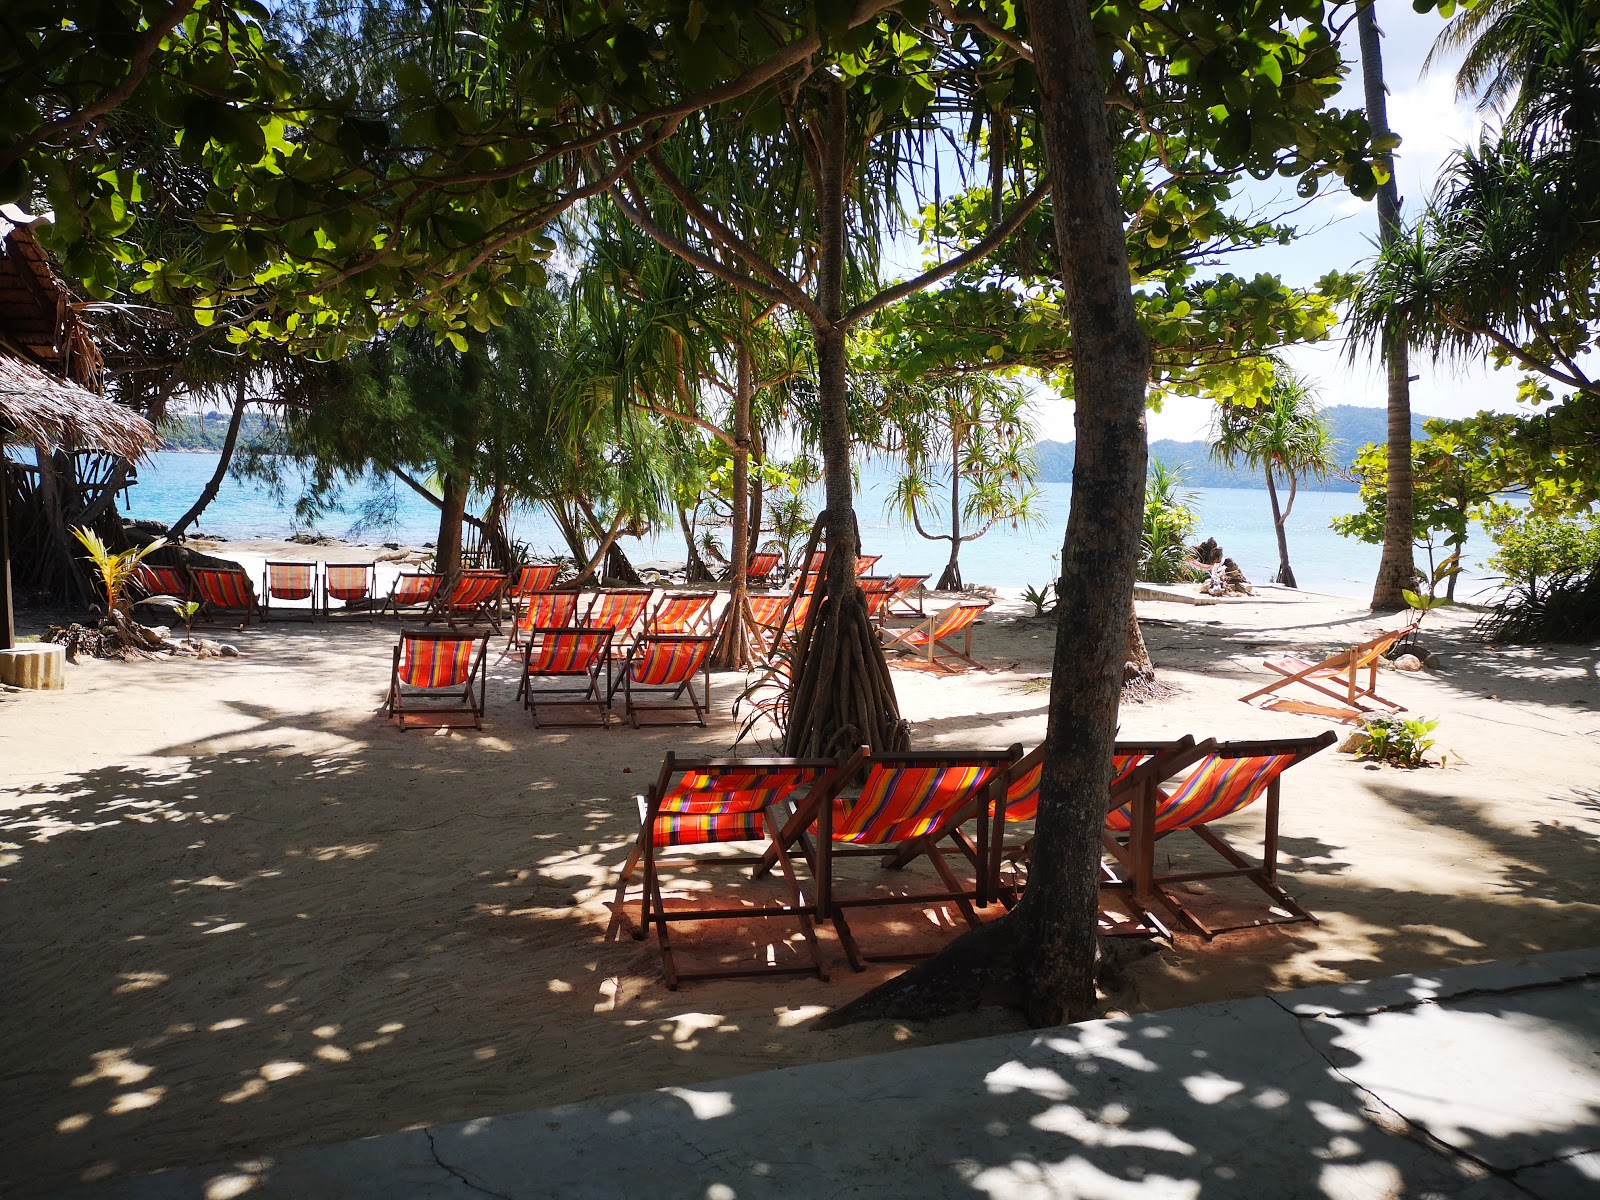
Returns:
(660, 674)
(763, 565)
(932, 639)
(707, 802)
(916, 798)
(905, 599)
(865, 563)
(155, 580)
(353, 585)
(438, 674)
(413, 593)
(621, 610)
(289, 583)
(225, 595)
(1221, 778)
(473, 597)
(531, 577)
(682, 612)
(1343, 670)
(578, 660)
(878, 591)
(546, 610)
(773, 627)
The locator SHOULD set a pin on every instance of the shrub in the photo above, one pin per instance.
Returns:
(1169, 523)
(1398, 741)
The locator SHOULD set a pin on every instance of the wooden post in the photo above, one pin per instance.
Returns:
(8, 625)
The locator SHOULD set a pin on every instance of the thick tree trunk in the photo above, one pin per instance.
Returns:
(1279, 519)
(209, 492)
(1138, 668)
(695, 569)
(758, 455)
(452, 512)
(733, 650)
(1397, 567)
(842, 695)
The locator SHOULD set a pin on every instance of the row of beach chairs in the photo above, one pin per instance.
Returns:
(954, 809)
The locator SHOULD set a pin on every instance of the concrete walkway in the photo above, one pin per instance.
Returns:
(1471, 1083)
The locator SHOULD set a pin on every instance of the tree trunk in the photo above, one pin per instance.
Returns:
(733, 651)
(8, 627)
(452, 511)
(842, 696)
(695, 569)
(567, 523)
(950, 580)
(758, 455)
(1138, 667)
(607, 539)
(1285, 571)
(1397, 567)
(209, 492)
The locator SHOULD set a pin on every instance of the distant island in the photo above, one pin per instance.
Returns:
(1353, 427)
(206, 431)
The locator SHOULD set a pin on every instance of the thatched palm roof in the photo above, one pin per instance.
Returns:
(49, 366)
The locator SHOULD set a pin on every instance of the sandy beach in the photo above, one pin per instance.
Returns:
(244, 913)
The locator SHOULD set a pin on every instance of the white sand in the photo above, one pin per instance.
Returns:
(243, 913)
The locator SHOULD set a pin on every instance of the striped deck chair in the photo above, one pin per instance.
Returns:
(667, 664)
(156, 580)
(878, 590)
(435, 673)
(913, 798)
(290, 582)
(709, 802)
(546, 610)
(865, 563)
(224, 593)
(1342, 669)
(531, 577)
(906, 597)
(353, 585)
(413, 592)
(620, 610)
(681, 612)
(762, 565)
(772, 627)
(473, 597)
(929, 639)
(578, 658)
(1223, 777)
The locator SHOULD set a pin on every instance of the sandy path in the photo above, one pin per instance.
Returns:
(243, 913)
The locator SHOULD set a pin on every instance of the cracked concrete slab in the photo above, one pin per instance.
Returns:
(1401, 991)
(1240, 1099)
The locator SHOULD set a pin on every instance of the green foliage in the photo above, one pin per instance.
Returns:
(187, 611)
(115, 568)
(1169, 523)
(1398, 741)
(208, 431)
(1563, 608)
(1039, 597)
(1532, 546)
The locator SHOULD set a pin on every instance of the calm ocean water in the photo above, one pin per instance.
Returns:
(1005, 557)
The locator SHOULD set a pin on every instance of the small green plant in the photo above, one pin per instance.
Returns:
(116, 569)
(1398, 741)
(1169, 522)
(187, 612)
(1039, 598)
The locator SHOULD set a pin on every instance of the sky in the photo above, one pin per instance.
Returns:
(1340, 232)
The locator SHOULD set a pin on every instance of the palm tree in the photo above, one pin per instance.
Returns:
(1397, 567)
(1284, 433)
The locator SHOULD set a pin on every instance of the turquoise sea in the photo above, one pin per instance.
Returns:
(1005, 557)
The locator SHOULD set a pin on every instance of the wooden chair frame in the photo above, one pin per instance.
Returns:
(902, 588)
(763, 563)
(464, 701)
(212, 607)
(596, 674)
(698, 622)
(269, 591)
(1135, 851)
(622, 636)
(652, 908)
(1346, 667)
(369, 595)
(473, 595)
(521, 621)
(817, 812)
(676, 692)
(412, 605)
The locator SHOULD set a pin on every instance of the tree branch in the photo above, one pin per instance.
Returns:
(986, 27)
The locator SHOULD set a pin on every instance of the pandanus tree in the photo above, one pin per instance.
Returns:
(1284, 436)
(966, 445)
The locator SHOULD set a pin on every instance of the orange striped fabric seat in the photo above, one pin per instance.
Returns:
(436, 661)
(766, 610)
(348, 581)
(474, 589)
(688, 613)
(291, 580)
(162, 581)
(901, 802)
(667, 661)
(569, 651)
(1022, 798)
(761, 567)
(617, 611)
(1216, 787)
(865, 563)
(878, 591)
(224, 589)
(534, 577)
(946, 624)
(412, 589)
(547, 610)
(709, 805)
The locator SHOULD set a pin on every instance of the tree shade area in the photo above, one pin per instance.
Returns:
(661, 265)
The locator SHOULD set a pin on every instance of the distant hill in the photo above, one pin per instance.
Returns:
(208, 430)
(1353, 427)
